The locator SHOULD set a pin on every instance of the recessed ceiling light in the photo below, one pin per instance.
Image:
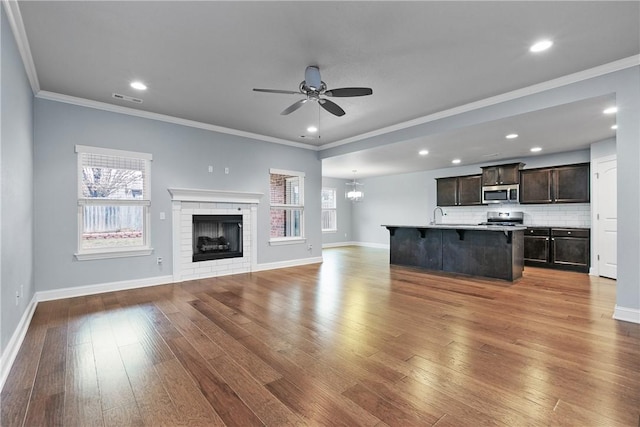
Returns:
(512, 136)
(423, 152)
(536, 149)
(312, 129)
(456, 161)
(611, 110)
(138, 85)
(540, 46)
(614, 127)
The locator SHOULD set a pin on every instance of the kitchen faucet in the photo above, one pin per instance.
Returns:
(433, 222)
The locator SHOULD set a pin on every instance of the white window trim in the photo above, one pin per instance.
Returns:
(144, 250)
(335, 210)
(293, 240)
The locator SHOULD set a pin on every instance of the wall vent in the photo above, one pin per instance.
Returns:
(126, 98)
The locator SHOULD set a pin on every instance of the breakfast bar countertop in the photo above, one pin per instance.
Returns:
(462, 226)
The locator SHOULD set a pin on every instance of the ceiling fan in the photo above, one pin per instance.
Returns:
(313, 87)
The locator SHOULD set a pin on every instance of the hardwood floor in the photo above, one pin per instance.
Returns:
(348, 342)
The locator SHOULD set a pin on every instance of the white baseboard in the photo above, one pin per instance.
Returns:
(101, 288)
(372, 245)
(627, 314)
(11, 351)
(338, 244)
(285, 264)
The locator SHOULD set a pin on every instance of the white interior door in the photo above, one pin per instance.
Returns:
(607, 217)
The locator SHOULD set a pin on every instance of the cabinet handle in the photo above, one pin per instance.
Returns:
(547, 239)
(568, 232)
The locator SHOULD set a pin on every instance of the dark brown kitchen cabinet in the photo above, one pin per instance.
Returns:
(536, 246)
(571, 184)
(459, 191)
(562, 184)
(502, 174)
(570, 249)
(560, 248)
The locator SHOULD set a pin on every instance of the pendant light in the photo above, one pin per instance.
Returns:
(354, 191)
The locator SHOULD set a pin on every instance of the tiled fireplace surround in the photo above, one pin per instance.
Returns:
(189, 202)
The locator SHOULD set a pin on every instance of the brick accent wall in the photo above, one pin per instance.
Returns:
(277, 194)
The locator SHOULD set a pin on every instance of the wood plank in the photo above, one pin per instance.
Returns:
(218, 393)
(189, 402)
(82, 406)
(154, 404)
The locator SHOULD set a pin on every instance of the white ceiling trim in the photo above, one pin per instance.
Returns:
(17, 27)
(600, 70)
(52, 96)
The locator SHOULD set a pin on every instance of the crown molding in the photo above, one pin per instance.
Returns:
(17, 27)
(83, 102)
(600, 70)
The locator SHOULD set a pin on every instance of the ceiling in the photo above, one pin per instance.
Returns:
(202, 59)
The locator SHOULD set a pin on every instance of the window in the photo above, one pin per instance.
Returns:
(287, 206)
(329, 216)
(113, 203)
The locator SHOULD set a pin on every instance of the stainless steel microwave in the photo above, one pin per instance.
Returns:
(500, 194)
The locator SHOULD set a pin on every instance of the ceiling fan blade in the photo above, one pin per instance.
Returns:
(331, 107)
(287, 92)
(293, 107)
(349, 91)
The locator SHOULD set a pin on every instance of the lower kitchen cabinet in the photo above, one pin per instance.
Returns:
(561, 248)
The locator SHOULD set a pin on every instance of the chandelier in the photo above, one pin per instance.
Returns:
(354, 191)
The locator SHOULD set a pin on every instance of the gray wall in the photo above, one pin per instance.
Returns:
(343, 213)
(181, 156)
(410, 198)
(16, 212)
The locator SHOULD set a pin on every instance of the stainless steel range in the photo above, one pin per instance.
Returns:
(504, 218)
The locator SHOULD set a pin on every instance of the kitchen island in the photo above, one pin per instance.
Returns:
(478, 250)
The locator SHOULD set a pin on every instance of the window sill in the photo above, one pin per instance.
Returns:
(287, 241)
(329, 231)
(88, 256)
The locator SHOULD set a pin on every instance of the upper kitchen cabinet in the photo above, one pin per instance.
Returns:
(459, 191)
(447, 191)
(502, 174)
(571, 184)
(563, 184)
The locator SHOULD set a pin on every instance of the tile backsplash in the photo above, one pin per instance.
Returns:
(561, 215)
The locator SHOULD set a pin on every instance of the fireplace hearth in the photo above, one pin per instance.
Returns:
(216, 237)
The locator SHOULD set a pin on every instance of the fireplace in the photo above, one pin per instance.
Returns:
(188, 203)
(216, 237)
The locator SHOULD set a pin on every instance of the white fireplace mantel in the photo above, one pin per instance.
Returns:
(213, 196)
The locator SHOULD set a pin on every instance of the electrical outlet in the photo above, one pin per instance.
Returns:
(210, 169)
(226, 171)
(159, 260)
(17, 298)
(162, 215)
(309, 247)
